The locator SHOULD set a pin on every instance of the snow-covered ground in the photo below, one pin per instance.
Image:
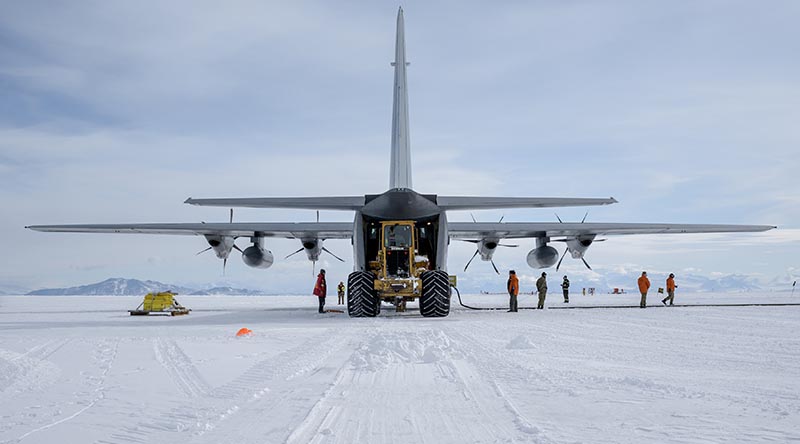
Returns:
(80, 370)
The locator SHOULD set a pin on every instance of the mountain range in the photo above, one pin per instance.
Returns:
(135, 287)
(603, 280)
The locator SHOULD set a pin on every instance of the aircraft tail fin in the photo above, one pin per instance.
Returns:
(400, 171)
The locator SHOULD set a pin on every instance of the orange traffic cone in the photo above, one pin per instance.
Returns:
(244, 332)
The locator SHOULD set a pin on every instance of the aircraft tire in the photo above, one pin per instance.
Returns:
(362, 301)
(435, 299)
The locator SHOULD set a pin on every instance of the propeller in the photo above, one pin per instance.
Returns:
(477, 250)
(566, 240)
(236, 247)
(329, 252)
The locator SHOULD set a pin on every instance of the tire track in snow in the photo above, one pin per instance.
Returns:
(223, 412)
(20, 372)
(180, 368)
(445, 396)
(105, 356)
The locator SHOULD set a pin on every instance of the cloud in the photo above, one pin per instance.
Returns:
(684, 112)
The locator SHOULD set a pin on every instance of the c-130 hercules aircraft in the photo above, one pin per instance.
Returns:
(400, 237)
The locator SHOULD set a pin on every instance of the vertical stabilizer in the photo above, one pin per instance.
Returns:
(400, 173)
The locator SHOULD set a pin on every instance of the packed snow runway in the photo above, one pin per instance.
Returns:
(80, 370)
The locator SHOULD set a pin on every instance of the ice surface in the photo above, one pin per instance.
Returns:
(80, 370)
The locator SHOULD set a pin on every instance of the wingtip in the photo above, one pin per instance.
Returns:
(613, 201)
(188, 201)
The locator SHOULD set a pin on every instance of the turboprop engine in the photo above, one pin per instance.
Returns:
(256, 255)
(577, 246)
(313, 249)
(222, 245)
(543, 256)
(486, 248)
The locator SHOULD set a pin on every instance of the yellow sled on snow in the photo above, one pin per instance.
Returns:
(160, 303)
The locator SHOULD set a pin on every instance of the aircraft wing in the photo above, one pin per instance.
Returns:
(516, 230)
(352, 203)
(300, 230)
(487, 203)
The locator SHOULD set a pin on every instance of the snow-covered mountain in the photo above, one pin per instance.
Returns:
(134, 287)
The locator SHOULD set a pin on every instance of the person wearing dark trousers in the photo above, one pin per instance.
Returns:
(644, 285)
(541, 287)
(320, 290)
(565, 288)
(513, 291)
(340, 290)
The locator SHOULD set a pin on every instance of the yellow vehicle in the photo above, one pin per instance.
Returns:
(399, 264)
(160, 303)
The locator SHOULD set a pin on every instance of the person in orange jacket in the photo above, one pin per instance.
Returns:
(513, 291)
(670, 290)
(320, 289)
(644, 285)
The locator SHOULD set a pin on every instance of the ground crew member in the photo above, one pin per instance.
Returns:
(513, 291)
(541, 287)
(565, 288)
(320, 290)
(644, 285)
(340, 290)
(670, 290)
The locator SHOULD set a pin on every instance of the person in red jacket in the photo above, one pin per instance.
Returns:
(320, 289)
(644, 285)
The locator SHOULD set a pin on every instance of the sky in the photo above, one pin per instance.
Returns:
(116, 112)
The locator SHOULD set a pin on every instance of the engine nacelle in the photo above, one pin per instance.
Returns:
(487, 247)
(578, 246)
(312, 248)
(257, 256)
(222, 245)
(542, 257)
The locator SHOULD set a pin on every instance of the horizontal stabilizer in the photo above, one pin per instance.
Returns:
(490, 203)
(306, 203)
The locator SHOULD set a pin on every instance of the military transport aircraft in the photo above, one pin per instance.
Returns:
(400, 237)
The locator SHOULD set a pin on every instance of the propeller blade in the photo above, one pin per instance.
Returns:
(559, 219)
(586, 263)
(231, 221)
(201, 252)
(224, 264)
(292, 254)
(470, 260)
(238, 249)
(495, 267)
(313, 268)
(584, 217)
(329, 252)
(562, 258)
(469, 240)
(501, 218)
(507, 245)
(473, 218)
(317, 216)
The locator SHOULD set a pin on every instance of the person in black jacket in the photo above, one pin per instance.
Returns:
(565, 288)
